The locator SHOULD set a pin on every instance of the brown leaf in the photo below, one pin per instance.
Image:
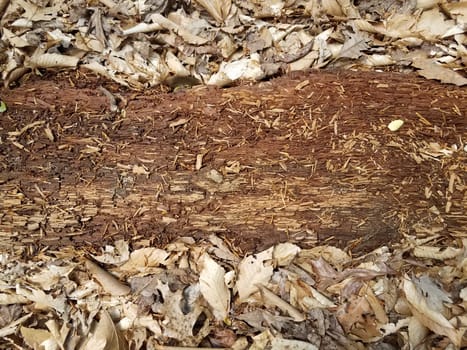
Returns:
(110, 284)
(431, 70)
(219, 9)
(430, 318)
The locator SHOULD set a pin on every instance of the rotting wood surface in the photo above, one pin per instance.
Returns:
(307, 157)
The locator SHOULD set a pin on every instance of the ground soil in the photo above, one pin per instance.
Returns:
(307, 157)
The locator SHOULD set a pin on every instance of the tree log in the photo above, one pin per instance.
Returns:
(307, 158)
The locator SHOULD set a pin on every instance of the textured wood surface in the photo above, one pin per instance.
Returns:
(306, 157)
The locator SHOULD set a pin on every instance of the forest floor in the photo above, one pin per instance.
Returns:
(153, 197)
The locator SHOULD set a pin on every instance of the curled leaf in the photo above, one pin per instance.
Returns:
(253, 272)
(219, 9)
(110, 284)
(213, 287)
(52, 60)
(430, 318)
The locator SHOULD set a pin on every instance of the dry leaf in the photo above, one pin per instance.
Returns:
(289, 344)
(213, 287)
(261, 341)
(179, 30)
(437, 252)
(240, 344)
(307, 297)
(42, 300)
(254, 271)
(332, 7)
(142, 28)
(59, 334)
(431, 70)
(246, 68)
(183, 316)
(219, 9)
(116, 254)
(417, 333)
(430, 318)
(51, 60)
(432, 24)
(35, 337)
(105, 335)
(108, 282)
(144, 258)
(221, 250)
(175, 66)
(356, 317)
(284, 253)
(50, 276)
(435, 296)
(377, 60)
(273, 300)
(353, 46)
(36, 13)
(375, 303)
(333, 255)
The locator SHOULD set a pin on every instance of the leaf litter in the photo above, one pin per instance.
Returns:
(145, 43)
(204, 294)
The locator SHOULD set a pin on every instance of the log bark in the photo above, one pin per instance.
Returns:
(307, 157)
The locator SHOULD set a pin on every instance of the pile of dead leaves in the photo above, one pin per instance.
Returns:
(142, 43)
(202, 294)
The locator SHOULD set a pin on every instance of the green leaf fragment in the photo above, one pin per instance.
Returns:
(2, 106)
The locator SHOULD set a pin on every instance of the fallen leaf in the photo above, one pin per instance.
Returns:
(116, 254)
(35, 337)
(432, 24)
(42, 300)
(50, 276)
(51, 60)
(223, 338)
(377, 60)
(245, 68)
(105, 335)
(144, 258)
(333, 255)
(417, 333)
(437, 253)
(13, 326)
(353, 46)
(356, 317)
(273, 300)
(260, 319)
(430, 318)
(219, 9)
(254, 270)
(284, 253)
(260, 341)
(431, 70)
(290, 344)
(179, 30)
(435, 296)
(108, 282)
(332, 7)
(213, 287)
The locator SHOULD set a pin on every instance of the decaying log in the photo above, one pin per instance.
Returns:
(306, 157)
